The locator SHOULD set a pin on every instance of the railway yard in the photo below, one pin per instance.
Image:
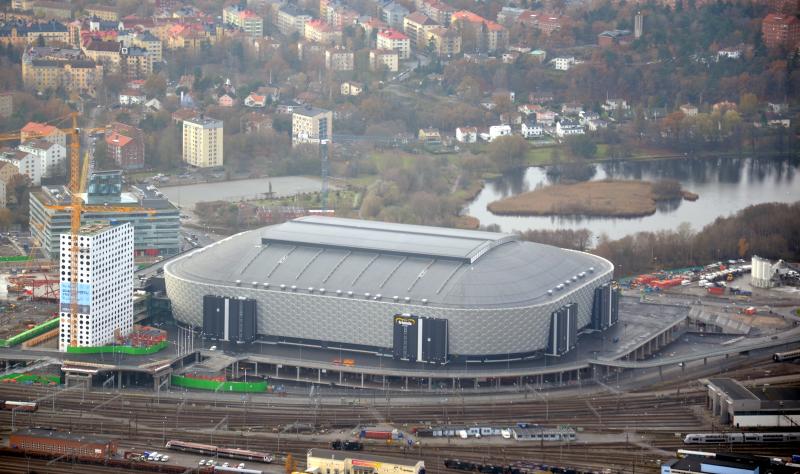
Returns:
(617, 430)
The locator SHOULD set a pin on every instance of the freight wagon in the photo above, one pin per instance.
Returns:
(19, 406)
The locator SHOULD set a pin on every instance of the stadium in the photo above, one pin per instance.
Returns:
(423, 294)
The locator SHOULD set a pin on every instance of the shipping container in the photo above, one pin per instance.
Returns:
(374, 434)
(716, 290)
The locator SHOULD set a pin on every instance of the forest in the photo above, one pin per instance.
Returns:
(769, 230)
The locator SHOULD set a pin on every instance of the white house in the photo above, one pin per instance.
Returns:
(51, 156)
(563, 63)
(255, 100)
(26, 164)
(615, 104)
(594, 124)
(531, 129)
(567, 127)
(132, 97)
(467, 134)
(496, 131)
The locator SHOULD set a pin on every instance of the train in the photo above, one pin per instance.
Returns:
(10, 405)
(240, 470)
(211, 450)
(715, 438)
(347, 445)
(516, 468)
(784, 356)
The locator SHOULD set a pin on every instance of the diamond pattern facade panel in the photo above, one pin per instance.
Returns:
(362, 321)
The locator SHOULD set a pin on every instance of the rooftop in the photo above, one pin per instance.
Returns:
(392, 35)
(420, 18)
(309, 111)
(346, 257)
(342, 455)
(733, 389)
(204, 121)
(40, 129)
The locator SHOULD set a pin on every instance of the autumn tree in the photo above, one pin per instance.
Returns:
(508, 152)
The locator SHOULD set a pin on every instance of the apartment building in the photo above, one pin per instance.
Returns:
(203, 142)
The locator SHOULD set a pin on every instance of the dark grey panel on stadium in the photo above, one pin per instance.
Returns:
(434, 341)
(563, 330)
(229, 319)
(316, 278)
(213, 316)
(405, 337)
(605, 307)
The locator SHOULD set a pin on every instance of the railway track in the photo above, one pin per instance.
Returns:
(650, 420)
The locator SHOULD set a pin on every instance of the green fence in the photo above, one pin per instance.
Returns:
(16, 258)
(213, 385)
(30, 333)
(129, 350)
(23, 378)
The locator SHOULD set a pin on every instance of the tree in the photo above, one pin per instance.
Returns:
(508, 152)
(6, 218)
(155, 85)
(748, 104)
(290, 465)
(582, 146)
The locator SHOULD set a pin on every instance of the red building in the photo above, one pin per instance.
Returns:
(780, 30)
(125, 145)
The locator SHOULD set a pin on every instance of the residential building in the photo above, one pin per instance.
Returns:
(125, 145)
(430, 136)
(102, 12)
(488, 35)
(291, 19)
(395, 40)
(246, 20)
(567, 127)
(130, 97)
(106, 53)
(155, 220)
(508, 15)
(339, 59)
(203, 142)
(393, 14)
(51, 156)
(467, 134)
(531, 129)
(781, 31)
(7, 173)
(319, 31)
(6, 104)
(416, 27)
(47, 68)
(351, 88)
(105, 288)
(384, 59)
(35, 130)
(610, 38)
(136, 62)
(148, 41)
(21, 32)
(497, 131)
(255, 100)
(734, 52)
(575, 108)
(545, 116)
(439, 12)
(563, 63)
(688, 110)
(444, 41)
(226, 100)
(539, 55)
(311, 125)
(615, 104)
(24, 163)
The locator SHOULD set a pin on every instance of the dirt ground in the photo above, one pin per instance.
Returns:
(14, 320)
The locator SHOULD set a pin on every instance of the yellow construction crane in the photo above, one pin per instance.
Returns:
(77, 184)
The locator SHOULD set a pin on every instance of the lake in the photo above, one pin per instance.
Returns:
(725, 185)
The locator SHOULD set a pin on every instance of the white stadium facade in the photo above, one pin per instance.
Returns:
(422, 293)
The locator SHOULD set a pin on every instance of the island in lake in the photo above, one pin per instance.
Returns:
(612, 198)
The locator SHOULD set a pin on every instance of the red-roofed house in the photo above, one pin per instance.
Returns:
(393, 39)
(125, 145)
(321, 32)
(34, 130)
(491, 36)
(780, 30)
(255, 100)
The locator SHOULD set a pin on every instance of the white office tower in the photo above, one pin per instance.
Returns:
(105, 285)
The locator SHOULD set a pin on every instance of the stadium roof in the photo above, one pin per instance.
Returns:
(391, 262)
